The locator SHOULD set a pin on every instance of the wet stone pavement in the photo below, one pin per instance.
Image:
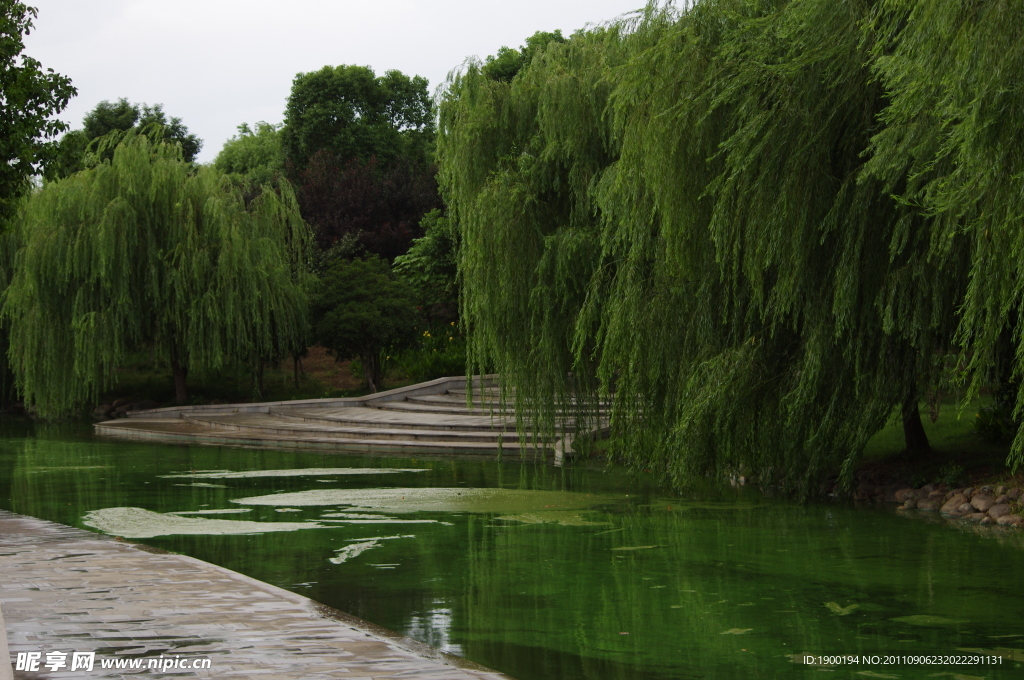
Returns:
(68, 590)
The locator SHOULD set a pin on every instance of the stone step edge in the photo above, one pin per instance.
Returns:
(507, 426)
(369, 433)
(361, 445)
(438, 409)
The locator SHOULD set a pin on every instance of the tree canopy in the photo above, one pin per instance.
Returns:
(120, 117)
(348, 112)
(31, 97)
(359, 148)
(761, 259)
(380, 205)
(509, 61)
(144, 250)
(254, 154)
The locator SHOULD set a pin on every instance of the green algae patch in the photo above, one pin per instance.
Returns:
(141, 523)
(563, 518)
(353, 550)
(504, 501)
(839, 610)
(225, 511)
(361, 545)
(927, 620)
(299, 472)
(64, 468)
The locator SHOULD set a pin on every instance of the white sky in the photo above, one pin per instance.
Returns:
(218, 63)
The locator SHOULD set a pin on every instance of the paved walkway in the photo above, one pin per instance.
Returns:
(68, 590)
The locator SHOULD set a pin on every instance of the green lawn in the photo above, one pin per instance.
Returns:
(959, 455)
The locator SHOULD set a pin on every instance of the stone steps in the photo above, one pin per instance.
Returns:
(272, 424)
(409, 407)
(427, 419)
(178, 431)
(362, 417)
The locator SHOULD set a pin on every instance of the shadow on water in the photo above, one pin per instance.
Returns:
(537, 578)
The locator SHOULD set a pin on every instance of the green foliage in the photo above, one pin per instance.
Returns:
(30, 99)
(431, 267)
(349, 112)
(509, 61)
(761, 258)
(951, 474)
(143, 250)
(439, 351)
(255, 155)
(109, 117)
(952, 145)
(995, 424)
(106, 124)
(362, 311)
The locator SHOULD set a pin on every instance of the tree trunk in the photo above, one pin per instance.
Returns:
(258, 379)
(913, 429)
(371, 369)
(297, 368)
(180, 373)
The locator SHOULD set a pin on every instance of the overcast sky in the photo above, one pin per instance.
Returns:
(218, 63)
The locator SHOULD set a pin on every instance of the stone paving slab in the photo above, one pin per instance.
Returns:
(66, 589)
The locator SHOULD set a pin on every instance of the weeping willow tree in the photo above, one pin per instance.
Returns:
(952, 146)
(725, 217)
(144, 251)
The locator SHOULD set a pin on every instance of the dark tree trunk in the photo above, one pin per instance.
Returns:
(258, 379)
(913, 428)
(297, 368)
(372, 370)
(180, 373)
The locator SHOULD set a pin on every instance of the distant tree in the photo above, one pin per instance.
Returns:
(29, 98)
(254, 154)
(118, 117)
(146, 251)
(348, 112)
(362, 311)
(504, 65)
(107, 117)
(360, 150)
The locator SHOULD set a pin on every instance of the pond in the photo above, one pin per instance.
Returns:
(547, 573)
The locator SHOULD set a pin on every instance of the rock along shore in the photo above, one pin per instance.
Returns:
(984, 504)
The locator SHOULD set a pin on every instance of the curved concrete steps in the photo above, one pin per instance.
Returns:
(382, 418)
(427, 419)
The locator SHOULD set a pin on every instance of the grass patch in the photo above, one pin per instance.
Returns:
(959, 455)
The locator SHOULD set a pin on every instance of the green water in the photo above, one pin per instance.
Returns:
(571, 573)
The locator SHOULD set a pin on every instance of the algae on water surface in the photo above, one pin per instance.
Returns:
(301, 472)
(141, 523)
(437, 499)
